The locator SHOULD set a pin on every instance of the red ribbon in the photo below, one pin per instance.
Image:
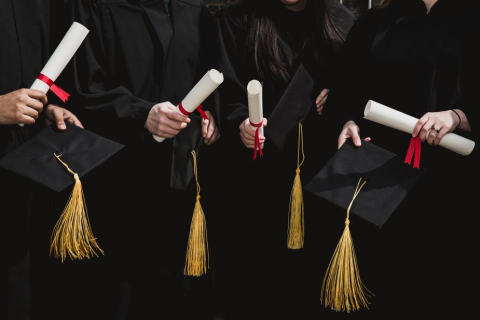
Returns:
(199, 109)
(59, 92)
(257, 146)
(415, 147)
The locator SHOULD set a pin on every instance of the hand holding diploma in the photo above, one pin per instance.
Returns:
(21, 106)
(210, 81)
(433, 126)
(397, 120)
(164, 121)
(255, 122)
(59, 60)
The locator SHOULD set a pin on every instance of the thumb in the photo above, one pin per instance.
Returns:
(356, 140)
(58, 116)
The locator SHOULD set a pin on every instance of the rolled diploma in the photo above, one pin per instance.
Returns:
(392, 118)
(62, 55)
(210, 81)
(255, 105)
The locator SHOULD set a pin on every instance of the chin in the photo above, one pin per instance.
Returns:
(291, 2)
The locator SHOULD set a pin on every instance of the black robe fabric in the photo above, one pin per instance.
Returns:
(124, 69)
(24, 35)
(416, 62)
(257, 277)
(135, 56)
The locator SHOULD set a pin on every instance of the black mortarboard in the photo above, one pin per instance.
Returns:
(388, 178)
(57, 159)
(81, 149)
(370, 182)
(292, 108)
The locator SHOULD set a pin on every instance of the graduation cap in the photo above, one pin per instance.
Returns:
(290, 111)
(56, 160)
(370, 182)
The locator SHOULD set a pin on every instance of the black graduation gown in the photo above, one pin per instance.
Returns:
(256, 275)
(24, 34)
(136, 56)
(416, 62)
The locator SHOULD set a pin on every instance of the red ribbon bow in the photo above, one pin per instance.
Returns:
(199, 109)
(59, 92)
(415, 147)
(257, 146)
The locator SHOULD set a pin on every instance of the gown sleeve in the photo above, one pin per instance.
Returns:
(349, 88)
(106, 103)
(232, 93)
(468, 81)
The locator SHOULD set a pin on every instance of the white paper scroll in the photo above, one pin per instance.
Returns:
(255, 105)
(62, 55)
(392, 118)
(210, 81)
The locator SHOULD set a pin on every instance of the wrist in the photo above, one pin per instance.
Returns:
(457, 119)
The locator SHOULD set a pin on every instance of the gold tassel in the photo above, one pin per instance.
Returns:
(342, 288)
(197, 260)
(72, 234)
(296, 224)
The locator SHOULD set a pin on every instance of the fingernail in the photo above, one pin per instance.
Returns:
(62, 126)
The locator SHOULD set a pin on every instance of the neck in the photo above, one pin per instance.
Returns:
(429, 4)
(297, 6)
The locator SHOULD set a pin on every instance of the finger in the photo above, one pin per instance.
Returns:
(322, 94)
(246, 136)
(210, 130)
(432, 136)
(214, 137)
(367, 139)
(355, 137)
(249, 130)
(58, 116)
(265, 122)
(320, 110)
(440, 136)
(164, 135)
(205, 124)
(177, 125)
(173, 115)
(425, 130)
(32, 113)
(421, 122)
(37, 95)
(164, 129)
(169, 105)
(34, 104)
(248, 144)
(26, 119)
(341, 140)
(71, 118)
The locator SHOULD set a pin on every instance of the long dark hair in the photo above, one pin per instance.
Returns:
(263, 39)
